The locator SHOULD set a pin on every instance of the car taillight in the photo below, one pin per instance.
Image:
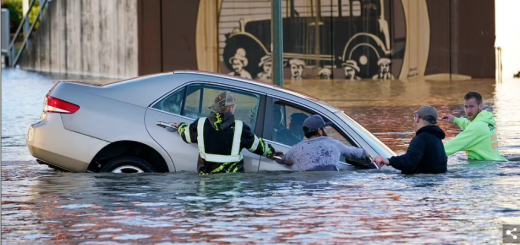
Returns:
(54, 105)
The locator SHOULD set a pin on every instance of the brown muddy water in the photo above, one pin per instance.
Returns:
(468, 205)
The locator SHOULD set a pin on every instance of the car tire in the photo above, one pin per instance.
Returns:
(127, 164)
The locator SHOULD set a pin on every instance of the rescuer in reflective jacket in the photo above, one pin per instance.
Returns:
(220, 138)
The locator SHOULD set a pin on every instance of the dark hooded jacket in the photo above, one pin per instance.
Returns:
(425, 154)
(219, 129)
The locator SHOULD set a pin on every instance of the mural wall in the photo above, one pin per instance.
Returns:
(323, 39)
(345, 39)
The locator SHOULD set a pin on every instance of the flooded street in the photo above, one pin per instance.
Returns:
(468, 205)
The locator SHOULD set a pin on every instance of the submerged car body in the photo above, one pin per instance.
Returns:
(114, 127)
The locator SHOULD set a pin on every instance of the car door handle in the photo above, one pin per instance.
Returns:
(165, 125)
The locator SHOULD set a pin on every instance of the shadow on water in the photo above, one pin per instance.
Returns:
(467, 205)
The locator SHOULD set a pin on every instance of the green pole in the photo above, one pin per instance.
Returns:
(277, 42)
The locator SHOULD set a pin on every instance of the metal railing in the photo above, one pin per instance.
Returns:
(14, 53)
(6, 35)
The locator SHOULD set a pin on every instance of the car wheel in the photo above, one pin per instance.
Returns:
(127, 164)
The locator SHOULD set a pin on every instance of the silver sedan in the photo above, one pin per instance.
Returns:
(117, 127)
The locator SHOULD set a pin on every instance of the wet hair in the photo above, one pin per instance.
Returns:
(474, 95)
(309, 134)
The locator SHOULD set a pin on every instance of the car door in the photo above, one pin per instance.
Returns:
(190, 102)
(283, 129)
(280, 123)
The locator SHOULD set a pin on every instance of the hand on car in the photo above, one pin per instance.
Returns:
(368, 157)
(279, 160)
(381, 161)
(448, 118)
(276, 154)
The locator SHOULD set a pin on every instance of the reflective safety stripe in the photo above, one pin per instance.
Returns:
(222, 158)
(236, 138)
(265, 147)
(494, 141)
(187, 134)
(255, 144)
(266, 150)
(494, 137)
(200, 137)
(235, 156)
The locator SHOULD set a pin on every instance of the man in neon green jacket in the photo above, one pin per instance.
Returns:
(478, 137)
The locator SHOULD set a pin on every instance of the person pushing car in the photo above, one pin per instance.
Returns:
(221, 138)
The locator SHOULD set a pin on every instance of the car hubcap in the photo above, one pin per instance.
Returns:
(127, 169)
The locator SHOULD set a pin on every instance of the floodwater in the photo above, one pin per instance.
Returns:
(468, 205)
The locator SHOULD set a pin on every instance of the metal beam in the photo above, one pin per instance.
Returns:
(277, 41)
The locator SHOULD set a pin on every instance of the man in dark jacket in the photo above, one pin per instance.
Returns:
(220, 138)
(426, 152)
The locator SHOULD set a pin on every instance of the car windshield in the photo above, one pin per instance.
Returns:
(363, 131)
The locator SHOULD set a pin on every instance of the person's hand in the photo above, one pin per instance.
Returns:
(448, 118)
(175, 125)
(381, 161)
(276, 154)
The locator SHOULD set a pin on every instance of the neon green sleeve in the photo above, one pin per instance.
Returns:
(461, 122)
(465, 140)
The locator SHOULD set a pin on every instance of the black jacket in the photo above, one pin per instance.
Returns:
(425, 154)
(219, 130)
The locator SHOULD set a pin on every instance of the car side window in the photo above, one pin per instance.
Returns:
(333, 133)
(288, 123)
(172, 103)
(200, 97)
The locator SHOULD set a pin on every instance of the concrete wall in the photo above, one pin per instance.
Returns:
(86, 37)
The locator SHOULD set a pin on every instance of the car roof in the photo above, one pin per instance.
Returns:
(262, 84)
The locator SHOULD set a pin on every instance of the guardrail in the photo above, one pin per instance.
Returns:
(6, 35)
(14, 53)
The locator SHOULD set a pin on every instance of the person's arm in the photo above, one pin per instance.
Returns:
(287, 157)
(352, 153)
(255, 144)
(466, 139)
(461, 122)
(187, 132)
(409, 161)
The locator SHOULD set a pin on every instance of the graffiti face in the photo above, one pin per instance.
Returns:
(385, 68)
(350, 73)
(296, 71)
(267, 68)
(237, 65)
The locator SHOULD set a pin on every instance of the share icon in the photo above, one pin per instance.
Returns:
(509, 233)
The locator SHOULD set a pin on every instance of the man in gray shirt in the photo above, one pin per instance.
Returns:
(320, 152)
